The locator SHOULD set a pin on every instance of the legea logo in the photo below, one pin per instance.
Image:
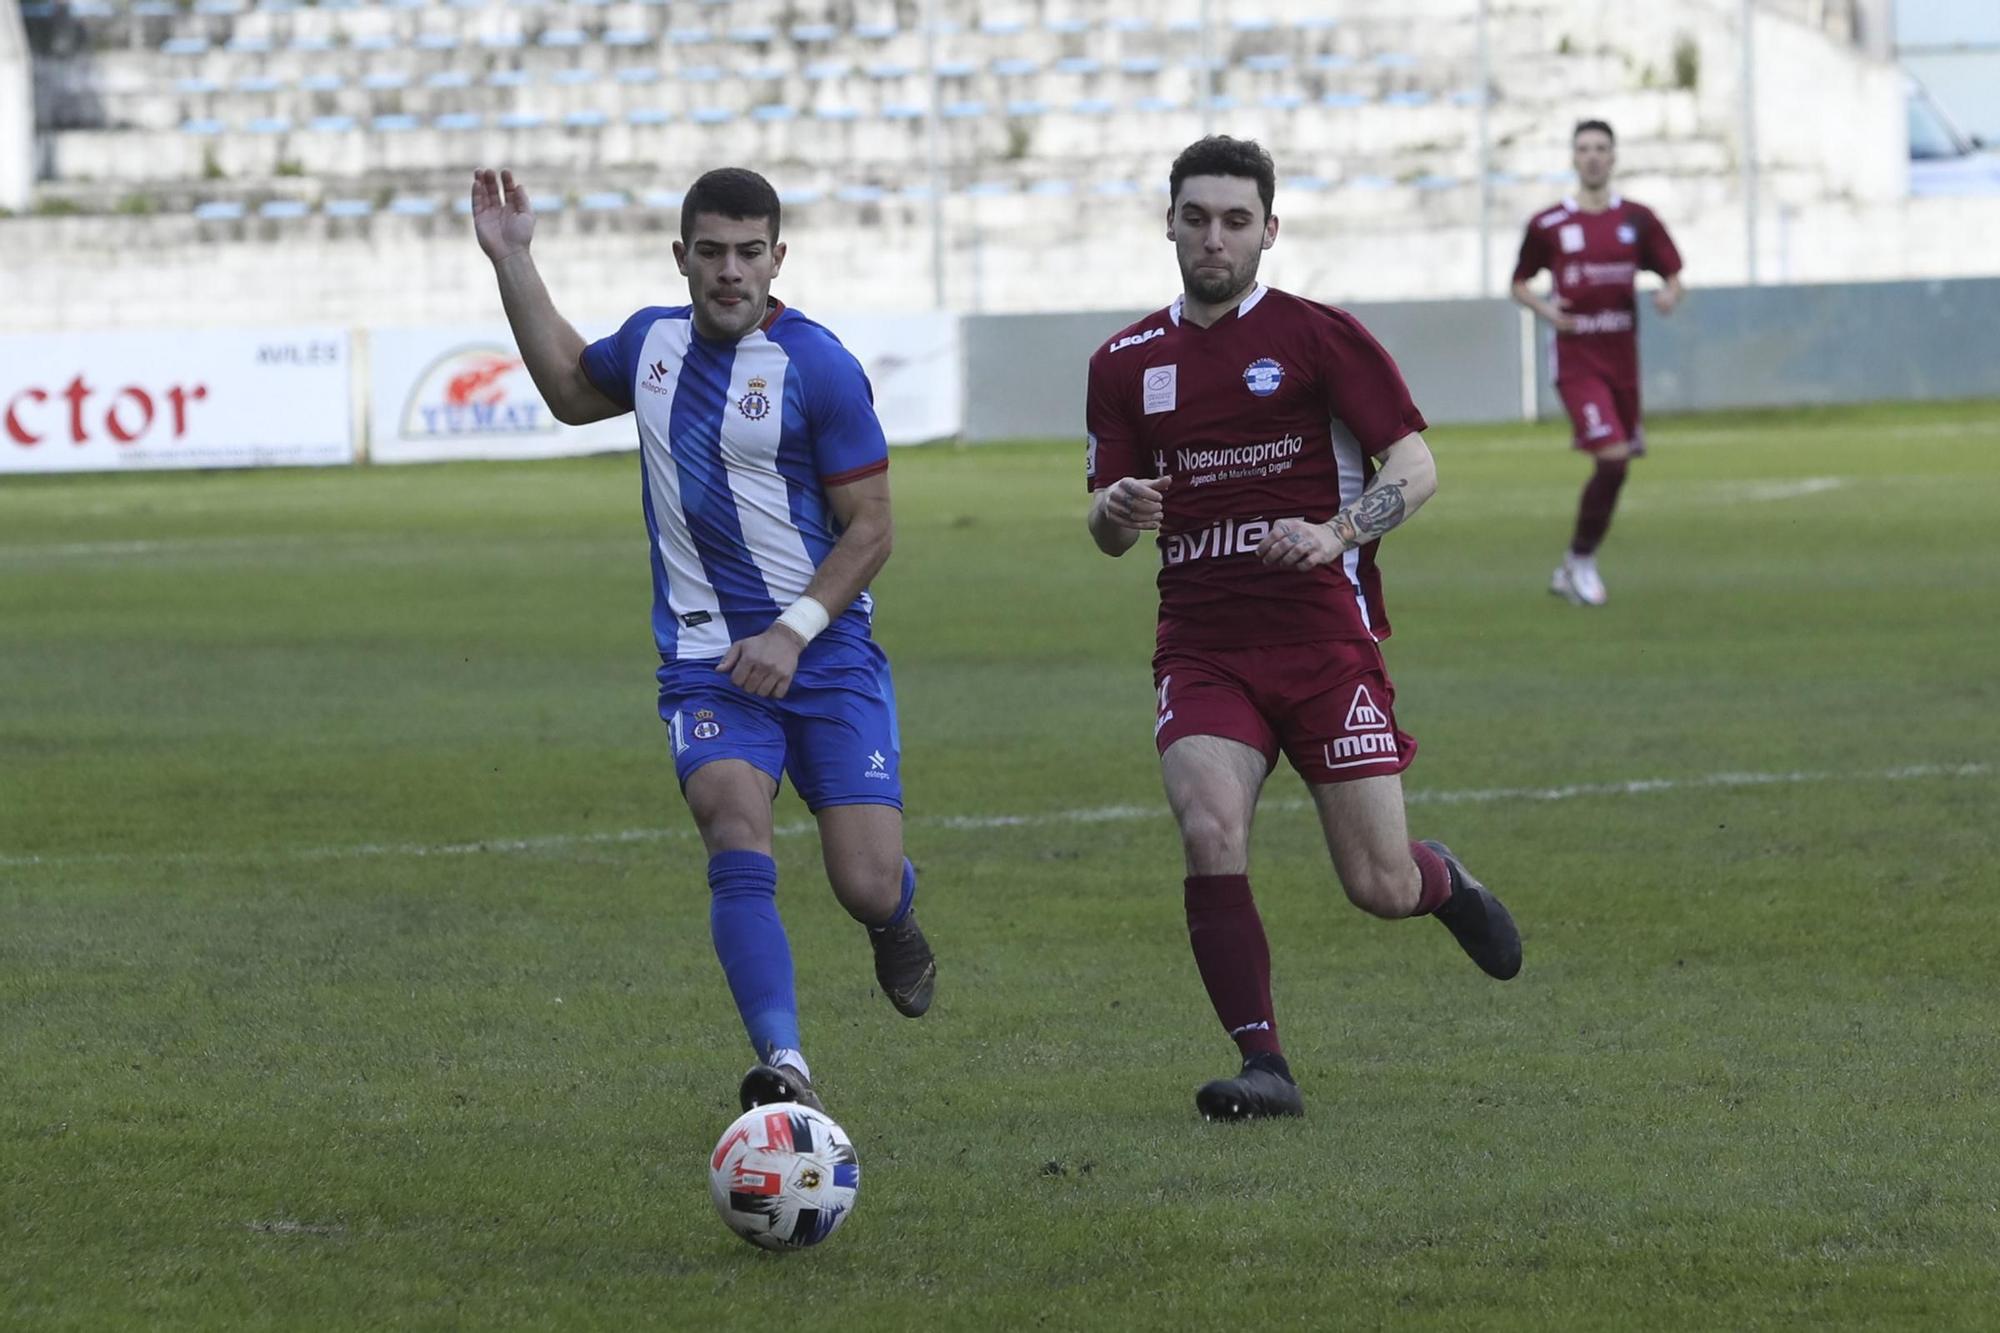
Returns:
(477, 390)
(1133, 340)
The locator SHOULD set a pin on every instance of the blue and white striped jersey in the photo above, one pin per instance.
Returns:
(737, 445)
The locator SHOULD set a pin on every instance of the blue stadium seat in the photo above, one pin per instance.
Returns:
(755, 34)
(1016, 68)
(603, 201)
(836, 113)
(468, 4)
(956, 69)
(1316, 23)
(711, 115)
(385, 81)
(148, 9)
(501, 41)
(197, 87)
(763, 73)
(308, 43)
(903, 111)
(860, 194)
(283, 208)
(184, 46)
(1270, 63)
(661, 199)
(814, 32)
(988, 189)
(628, 37)
(347, 208)
(218, 6)
(1156, 104)
(331, 124)
(888, 70)
(1433, 181)
(520, 120)
(1251, 23)
(437, 41)
(1026, 108)
(39, 9)
(1305, 184)
(1002, 27)
(247, 44)
(322, 83)
(1331, 60)
(1393, 60)
(798, 194)
(269, 125)
(1191, 26)
(773, 113)
(459, 120)
(1052, 189)
(963, 110)
(562, 37)
(1467, 97)
(203, 125)
(701, 74)
(576, 76)
(219, 210)
(822, 70)
(638, 74)
(449, 78)
(1281, 101)
(1343, 101)
(1130, 23)
(546, 203)
(413, 206)
(648, 115)
(1078, 65)
(1115, 188)
(374, 41)
(1093, 106)
(1066, 27)
(1371, 182)
(589, 118)
(1140, 65)
(875, 32)
(1408, 99)
(1223, 102)
(689, 36)
(509, 78)
(398, 122)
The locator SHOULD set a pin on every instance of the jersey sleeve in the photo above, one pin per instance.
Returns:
(611, 364)
(1657, 253)
(1364, 388)
(1534, 253)
(1111, 444)
(847, 439)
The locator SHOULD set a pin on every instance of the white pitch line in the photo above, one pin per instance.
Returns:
(1110, 814)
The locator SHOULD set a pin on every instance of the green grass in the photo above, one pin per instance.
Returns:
(354, 967)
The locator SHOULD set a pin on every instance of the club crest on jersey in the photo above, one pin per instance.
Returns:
(1263, 376)
(1627, 234)
(754, 405)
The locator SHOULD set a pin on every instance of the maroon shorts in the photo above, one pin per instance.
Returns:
(1328, 706)
(1603, 414)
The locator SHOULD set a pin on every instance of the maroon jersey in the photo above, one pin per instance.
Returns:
(1275, 411)
(1595, 257)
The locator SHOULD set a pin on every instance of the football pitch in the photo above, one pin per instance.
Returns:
(354, 957)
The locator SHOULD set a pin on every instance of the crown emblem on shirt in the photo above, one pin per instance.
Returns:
(754, 405)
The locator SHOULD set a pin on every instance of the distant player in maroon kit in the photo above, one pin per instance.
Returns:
(1270, 442)
(1595, 244)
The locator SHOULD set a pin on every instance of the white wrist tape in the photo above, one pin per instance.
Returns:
(805, 618)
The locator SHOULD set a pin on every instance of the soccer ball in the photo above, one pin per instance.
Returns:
(784, 1176)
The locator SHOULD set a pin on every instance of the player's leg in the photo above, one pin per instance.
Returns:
(846, 763)
(1602, 432)
(1387, 875)
(728, 750)
(1342, 738)
(1212, 784)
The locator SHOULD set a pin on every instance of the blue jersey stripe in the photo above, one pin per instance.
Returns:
(707, 503)
(666, 630)
(795, 463)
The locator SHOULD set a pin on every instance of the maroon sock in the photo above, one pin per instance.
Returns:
(1593, 511)
(1433, 879)
(1234, 958)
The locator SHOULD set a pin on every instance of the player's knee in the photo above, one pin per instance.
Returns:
(868, 884)
(733, 831)
(1214, 843)
(1382, 888)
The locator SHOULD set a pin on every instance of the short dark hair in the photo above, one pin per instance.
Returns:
(1220, 155)
(731, 192)
(1602, 126)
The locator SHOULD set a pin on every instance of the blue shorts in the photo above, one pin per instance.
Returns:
(834, 733)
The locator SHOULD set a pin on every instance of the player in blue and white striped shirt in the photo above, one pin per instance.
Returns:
(765, 484)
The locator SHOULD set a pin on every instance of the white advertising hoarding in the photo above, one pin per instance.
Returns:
(444, 393)
(175, 398)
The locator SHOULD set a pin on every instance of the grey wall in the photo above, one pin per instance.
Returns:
(1725, 348)
(1025, 373)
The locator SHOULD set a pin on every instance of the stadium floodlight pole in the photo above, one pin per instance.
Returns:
(1749, 91)
(1485, 160)
(932, 155)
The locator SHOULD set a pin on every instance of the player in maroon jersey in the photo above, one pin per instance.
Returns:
(1269, 441)
(1595, 244)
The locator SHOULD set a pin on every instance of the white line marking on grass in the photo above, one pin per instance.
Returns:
(1758, 492)
(1109, 814)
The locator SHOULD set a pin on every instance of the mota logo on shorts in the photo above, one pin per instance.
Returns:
(1263, 376)
(1363, 715)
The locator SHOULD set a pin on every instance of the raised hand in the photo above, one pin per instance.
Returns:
(501, 216)
(1137, 502)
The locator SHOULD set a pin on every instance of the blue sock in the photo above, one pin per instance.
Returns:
(909, 897)
(750, 942)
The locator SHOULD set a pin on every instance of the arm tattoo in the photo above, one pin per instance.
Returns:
(1379, 509)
